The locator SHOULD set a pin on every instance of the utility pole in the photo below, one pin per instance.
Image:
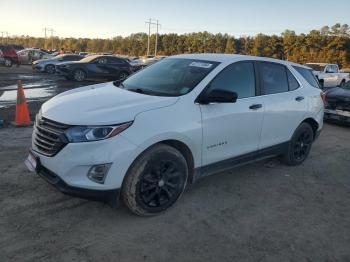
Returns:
(150, 23)
(51, 30)
(45, 29)
(149, 34)
(156, 45)
(48, 30)
(2, 36)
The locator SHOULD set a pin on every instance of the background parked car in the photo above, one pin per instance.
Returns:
(96, 66)
(28, 56)
(338, 104)
(328, 74)
(9, 55)
(48, 65)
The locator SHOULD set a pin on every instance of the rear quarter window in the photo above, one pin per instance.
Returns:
(307, 75)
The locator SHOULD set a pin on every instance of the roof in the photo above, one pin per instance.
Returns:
(321, 64)
(230, 58)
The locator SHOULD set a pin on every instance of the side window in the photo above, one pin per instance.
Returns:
(330, 69)
(308, 75)
(292, 82)
(273, 78)
(102, 61)
(238, 77)
(115, 60)
(335, 69)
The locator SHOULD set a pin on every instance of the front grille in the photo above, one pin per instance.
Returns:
(49, 136)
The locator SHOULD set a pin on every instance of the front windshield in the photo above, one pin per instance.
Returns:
(316, 67)
(59, 56)
(170, 77)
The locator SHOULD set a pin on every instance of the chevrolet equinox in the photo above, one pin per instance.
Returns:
(188, 116)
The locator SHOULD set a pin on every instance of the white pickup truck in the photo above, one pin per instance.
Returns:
(328, 74)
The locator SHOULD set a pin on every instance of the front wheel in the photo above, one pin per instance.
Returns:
(8, 62)
(300, 145)
(79, 75)
(123, 75)
(155, 181)
(50, 69)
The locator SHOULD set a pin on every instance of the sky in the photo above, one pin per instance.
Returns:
(109, 18)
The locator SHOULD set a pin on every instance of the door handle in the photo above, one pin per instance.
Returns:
(299, 98)
(255, 106)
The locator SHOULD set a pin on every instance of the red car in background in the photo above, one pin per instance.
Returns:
(8, 55)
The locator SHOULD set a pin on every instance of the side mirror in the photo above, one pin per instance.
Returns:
(218, 96)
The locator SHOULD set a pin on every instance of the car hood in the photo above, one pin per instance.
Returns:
(101, 104)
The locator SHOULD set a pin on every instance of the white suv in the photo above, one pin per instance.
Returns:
(183, 118)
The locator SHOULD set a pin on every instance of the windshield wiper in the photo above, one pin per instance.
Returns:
(137, 90)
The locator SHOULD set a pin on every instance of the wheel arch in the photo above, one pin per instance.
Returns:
(313, 123)
(186, 152)
(182, 147)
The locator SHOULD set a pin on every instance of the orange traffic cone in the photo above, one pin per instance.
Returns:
(22, 112)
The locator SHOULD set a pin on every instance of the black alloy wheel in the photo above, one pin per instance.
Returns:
(161, 184)
(155, 181)
(302, 145)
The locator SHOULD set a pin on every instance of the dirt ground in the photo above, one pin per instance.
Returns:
(261, 212)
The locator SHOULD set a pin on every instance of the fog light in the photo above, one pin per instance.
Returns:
(98, 173)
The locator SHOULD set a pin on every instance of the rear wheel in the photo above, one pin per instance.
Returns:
(8, 62)
(79, 75)
(123, 75)
(342, 84)
(300, 145)
(321, 84)
(50, 69)
(155, 181)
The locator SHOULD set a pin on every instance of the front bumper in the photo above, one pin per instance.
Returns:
(73, 162)
(109, 196)
(63, 71)
(38, 68)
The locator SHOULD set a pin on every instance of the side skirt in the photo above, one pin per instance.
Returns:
(228, 164)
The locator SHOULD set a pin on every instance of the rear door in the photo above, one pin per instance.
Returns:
(115, 66)
(232, 129)
(285, 103)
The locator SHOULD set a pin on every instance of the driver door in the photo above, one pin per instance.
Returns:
(232, 129)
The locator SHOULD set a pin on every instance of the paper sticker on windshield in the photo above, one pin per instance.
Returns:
(201, 64)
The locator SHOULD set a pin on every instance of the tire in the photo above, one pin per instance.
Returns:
(321, 84)
(123, 75)
(79, 75)
(50, 69)
(8, 62)
(155, 181)
(300, 145)
(342, 83)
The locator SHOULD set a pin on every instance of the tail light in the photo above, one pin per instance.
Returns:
(323, 96)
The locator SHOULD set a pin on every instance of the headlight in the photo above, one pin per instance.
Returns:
(87, 133)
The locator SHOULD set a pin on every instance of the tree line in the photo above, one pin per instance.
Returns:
(328, 44)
